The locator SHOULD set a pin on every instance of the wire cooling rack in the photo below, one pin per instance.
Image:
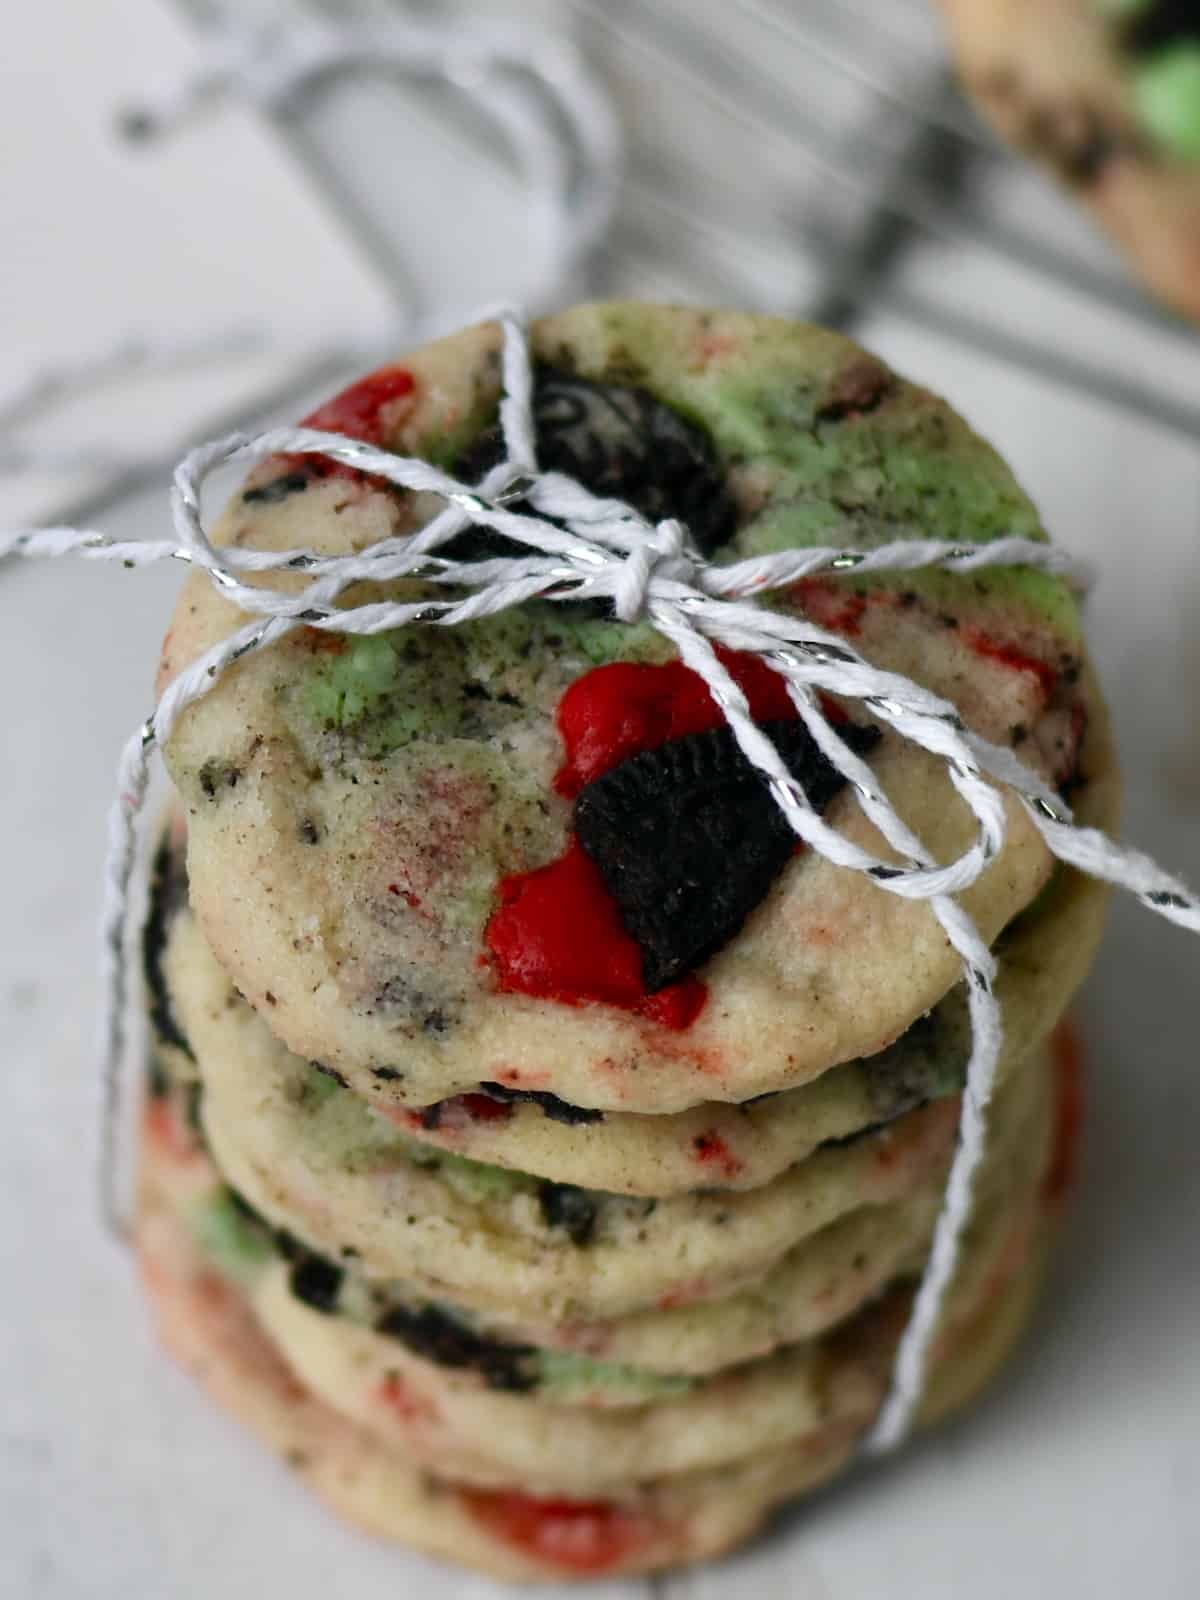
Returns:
(810, 157)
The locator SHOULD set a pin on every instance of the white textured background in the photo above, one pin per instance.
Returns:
(1080, 1476)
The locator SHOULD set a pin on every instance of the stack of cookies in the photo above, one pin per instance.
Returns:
(542, 1149)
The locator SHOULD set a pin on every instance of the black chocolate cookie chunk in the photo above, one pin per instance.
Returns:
(621, 443)
(168, 893)
(1162, 22)
(688, 839)
(440, 1337)
(551, 1107)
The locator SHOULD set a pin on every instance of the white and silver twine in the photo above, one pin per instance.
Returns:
(592, 549)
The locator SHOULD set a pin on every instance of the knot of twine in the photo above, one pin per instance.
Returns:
(592, 549)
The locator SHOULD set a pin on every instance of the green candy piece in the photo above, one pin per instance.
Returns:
(350, 684)
(562, 1372)
(233, 1242)
(316, 1088)
(475, 1180)
(1167, 92)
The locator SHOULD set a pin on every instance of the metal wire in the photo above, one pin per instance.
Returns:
(719, 73)
(866, 193)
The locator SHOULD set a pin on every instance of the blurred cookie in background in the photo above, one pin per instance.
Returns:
(1106, 94)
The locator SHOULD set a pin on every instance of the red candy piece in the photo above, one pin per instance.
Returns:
(830, 606)
(581, 1536)
(1008, 655)
(356, 411)
(409, 1406)
(615, 712)
(557, 934)
(482, 1108)
(711, 1150)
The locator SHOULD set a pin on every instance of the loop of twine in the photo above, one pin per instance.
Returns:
(596, 548)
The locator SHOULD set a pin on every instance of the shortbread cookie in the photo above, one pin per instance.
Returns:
(1043, 957)
(543, 1442)
(642, 1355)
(414, 853)
(492, 1239)
(510, 1533)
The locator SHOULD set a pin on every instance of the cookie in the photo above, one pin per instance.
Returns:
(641, 1355)
(1106, 95)
(1043, 957)
(694, 1327)
(539, 1439)
(382, 832)
(330, 1171)
(510, 1533)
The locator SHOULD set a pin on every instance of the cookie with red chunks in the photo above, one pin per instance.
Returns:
(582, 1357)
(513, 1533)
(326, 1168)
(361, 812)
(1105, 94)
(562, 1456)
(689, 839)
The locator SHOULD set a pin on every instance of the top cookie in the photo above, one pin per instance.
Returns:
(523, 851)
(1106, 94)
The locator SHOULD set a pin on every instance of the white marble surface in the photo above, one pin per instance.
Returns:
(1079, 1477)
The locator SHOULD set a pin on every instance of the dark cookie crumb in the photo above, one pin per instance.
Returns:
(859, 388)
(278, 489)
(570, 1208)
(317, 1281)
(549, 1104)
(425, 1007)
(168, 895)
(215, 775)
(917, 1066)
(437, 1336)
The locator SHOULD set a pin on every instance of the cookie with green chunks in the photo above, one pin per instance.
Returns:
(817, 1285)
(1105, 94)
(465, 1425)
(1043, 957)
(508, 1531)
(381, 838)
(322, 1164)
(447, 1419)
(825, 1278)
